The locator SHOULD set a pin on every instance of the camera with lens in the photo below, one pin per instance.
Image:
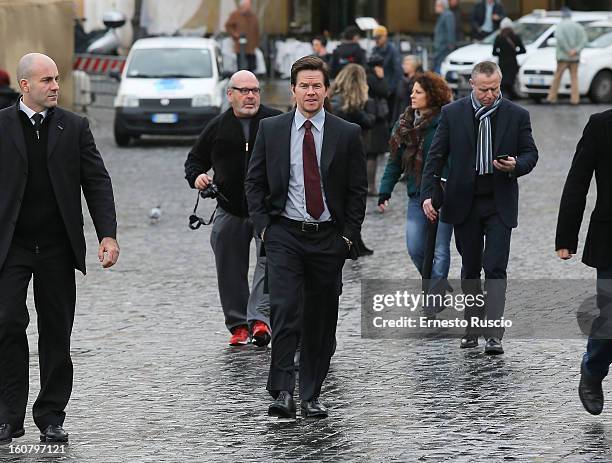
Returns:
(211, 191)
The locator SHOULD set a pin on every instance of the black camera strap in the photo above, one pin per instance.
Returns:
(196, 222)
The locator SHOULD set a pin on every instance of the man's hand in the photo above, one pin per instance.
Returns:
(383, 202)
(202, 181)
(263, 233)
(429, 210)
(379, 71)
(495, 17)
(572, 52)
(507, 165)
(108, 252)
(564, 254)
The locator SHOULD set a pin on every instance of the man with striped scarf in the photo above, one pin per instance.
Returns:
(490, 145)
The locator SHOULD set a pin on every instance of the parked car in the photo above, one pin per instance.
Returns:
(169, 86)
(594, 71)
(535, 29)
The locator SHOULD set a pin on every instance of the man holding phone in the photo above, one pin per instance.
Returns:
(489, 142)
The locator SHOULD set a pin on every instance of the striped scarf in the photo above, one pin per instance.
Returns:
(484, 146)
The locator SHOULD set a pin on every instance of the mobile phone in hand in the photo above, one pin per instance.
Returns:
(502, 157)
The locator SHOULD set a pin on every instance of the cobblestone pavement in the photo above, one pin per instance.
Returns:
(155, 380)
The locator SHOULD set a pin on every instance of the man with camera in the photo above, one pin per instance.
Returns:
(488, 140)
(225, 145)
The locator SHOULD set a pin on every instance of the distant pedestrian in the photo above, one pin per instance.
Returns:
(7, 95)
(350, 101)
(486, 18)
(377, 138)
(410, 142)
(444, 34)
(506, 46)
(391, 63)
(243, 23)
(571, 39)
(319, 48)
(349, 51)
(456, 10)
(411, 65)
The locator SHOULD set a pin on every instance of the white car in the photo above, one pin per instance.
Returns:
(169, 86)
(594, 71)
(535, 29)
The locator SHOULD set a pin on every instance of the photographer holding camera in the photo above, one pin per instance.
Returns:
(225, 145)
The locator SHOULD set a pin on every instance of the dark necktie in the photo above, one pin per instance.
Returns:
(37, 118)
(312, 178)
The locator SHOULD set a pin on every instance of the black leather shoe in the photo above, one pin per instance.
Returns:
(53, 433)
(283, 406)
(8, 433)
(469, 341)
(313, 409)
(494, 346)
(591, 393)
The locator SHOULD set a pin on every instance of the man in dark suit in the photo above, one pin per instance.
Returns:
(306, 191)
(47, 155)
(592, 155)
(489, 142)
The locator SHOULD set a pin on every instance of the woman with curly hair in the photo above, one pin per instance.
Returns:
(349, 100)
(410, 141)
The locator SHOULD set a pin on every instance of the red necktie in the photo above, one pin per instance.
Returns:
(312, 179)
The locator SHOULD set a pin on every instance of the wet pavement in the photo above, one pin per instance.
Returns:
(155, 380)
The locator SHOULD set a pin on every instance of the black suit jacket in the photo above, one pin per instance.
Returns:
(343, 172)
(74, 163)
(456, 137)
(592, 155)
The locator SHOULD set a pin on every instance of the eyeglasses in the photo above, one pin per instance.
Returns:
(245, 90)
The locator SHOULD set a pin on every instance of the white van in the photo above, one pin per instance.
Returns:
(169, 86)
(535, 29)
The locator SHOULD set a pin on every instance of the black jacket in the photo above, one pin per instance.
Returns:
(364, 118)
(7, 97)
(478, 17)
(345, 53)
(343, 173)
(377, 138)
(592, 155)
(456, 137)
(222, 147)
(74, 164)
(506, 47)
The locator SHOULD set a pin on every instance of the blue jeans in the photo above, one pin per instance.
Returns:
(598, 356)
(416, 240)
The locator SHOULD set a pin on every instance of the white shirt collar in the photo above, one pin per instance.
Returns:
(317, 120)
(29, 112)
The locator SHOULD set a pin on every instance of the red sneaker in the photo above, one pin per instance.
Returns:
(240, 336)
(261, 334)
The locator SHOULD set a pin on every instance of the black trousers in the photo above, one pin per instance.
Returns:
(54, 297)
(483, 240)
(251, 62)
(308, 265)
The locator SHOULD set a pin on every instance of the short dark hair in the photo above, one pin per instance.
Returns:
(321, 39)
(350, 32)
(309, 63)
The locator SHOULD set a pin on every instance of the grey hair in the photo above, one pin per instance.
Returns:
(487, 68)
(415, 59)
(444, 3)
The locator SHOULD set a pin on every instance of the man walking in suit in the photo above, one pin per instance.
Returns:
(47, 155)
(306, 191)
(592, 155)
(489, 142)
